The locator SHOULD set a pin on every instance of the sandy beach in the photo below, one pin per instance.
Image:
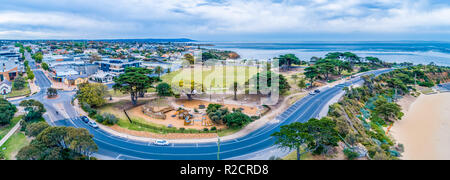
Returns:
(425, 129)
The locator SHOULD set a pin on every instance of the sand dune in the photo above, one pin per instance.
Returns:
(425, 129)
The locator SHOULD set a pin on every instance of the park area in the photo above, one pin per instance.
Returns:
(215, 79)
(170, 116)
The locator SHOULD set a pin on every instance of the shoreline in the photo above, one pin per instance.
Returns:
(423, 131)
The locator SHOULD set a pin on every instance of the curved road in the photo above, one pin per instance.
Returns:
(120, 148)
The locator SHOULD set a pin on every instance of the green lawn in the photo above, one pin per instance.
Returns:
(17, 93)
(16, 142)
(5, 129)
(220, 78)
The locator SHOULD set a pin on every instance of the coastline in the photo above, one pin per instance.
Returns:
(424, 129)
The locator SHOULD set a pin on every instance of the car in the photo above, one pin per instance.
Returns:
(85, 119)
(160, 142)
(317, 91)
(93, 124)
(312, 93)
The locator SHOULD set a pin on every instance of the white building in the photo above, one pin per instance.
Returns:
(5, 87)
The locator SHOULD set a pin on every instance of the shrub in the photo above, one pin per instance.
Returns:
(351, 155)
(107, 119)
(206, 129)
(214, 129)
(237, 119)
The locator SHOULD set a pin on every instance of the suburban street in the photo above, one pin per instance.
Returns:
(112, 147)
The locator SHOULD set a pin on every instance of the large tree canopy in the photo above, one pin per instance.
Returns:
(7, 111)
(287, 60)
(59, 143)
(314, 135)
(92, 94)
(134, 81)
(34, 109)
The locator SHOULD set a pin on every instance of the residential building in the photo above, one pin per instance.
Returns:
(102, 77)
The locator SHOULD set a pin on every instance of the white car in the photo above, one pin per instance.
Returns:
(160, 142)
(93, 124)
(312, 93)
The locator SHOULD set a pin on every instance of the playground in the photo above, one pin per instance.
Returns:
(182, 113)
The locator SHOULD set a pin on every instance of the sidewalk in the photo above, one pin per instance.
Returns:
(10, 133)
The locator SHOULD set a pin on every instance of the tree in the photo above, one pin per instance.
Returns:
(292, 137)
(38, 57)
(60, 143)
(35, 129)
(159, 70)
(312, 136)
(388, 110)
(237, 119)
(19, 83)
(45, 66)
(92, 94)
(302, 83)
(34, 109)
(326, 67)
(164, 89)
(30, 75)
(311, 73)
(287, 60)
(52, 92)
(7, 111)
(134, 82)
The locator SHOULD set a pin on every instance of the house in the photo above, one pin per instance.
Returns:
(102, 77)
(75, 80)
(5, 87)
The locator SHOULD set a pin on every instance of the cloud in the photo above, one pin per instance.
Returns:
(209, 19)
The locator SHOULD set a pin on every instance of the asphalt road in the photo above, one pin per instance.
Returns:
(125, 149)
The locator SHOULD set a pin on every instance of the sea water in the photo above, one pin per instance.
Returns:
(403, 51)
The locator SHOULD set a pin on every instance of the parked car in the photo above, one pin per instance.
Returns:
(160, 142)
(312, 93)
(317, 91)
(93, 124)
(85, 119)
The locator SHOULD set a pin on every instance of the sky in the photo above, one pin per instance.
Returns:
(227, 20)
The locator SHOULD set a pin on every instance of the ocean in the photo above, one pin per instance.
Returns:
(404, 51)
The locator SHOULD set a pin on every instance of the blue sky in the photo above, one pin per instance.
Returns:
(227, 20)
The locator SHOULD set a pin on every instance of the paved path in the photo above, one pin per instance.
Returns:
(10, 133)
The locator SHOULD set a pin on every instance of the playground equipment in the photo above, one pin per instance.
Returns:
(156, 112)
(185, 115)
